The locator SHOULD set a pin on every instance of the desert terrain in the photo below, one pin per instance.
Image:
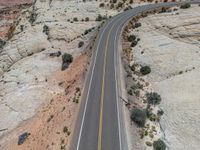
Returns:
(39, 98)
(170, 44)
(35, 95)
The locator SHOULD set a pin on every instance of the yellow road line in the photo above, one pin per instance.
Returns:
(102, 93)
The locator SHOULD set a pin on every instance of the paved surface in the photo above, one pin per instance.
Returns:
(100, 122)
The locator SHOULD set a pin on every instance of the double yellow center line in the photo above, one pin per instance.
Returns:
(102, 92)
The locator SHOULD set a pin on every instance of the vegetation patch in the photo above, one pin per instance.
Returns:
(153, 98)
(66, 60)
(185, 6)
(2, 43)
(80, 44)
(138, 116)
(159, 145)
(144, 70)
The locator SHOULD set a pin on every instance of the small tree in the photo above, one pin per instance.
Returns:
(75, 19)
(99, 18)
(66, 60)
(185, 6)
(134, 43)
(145, 70)
(153, 98)
(46, 29)
(2, 43)
(131, 38)
(138, 24)
(101, 5)
(138, 116)
(87, 19)
(159, 145)
(80, 44)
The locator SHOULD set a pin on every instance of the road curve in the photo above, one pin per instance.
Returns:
(99, 125)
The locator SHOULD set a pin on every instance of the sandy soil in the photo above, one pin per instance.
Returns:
(48, 133)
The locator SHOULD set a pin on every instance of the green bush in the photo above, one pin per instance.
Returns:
(138, 116)
(153, 98)
(159, 145)
(113, 1)
(46, 29)
(144, 70)
(66, 60)
(138, 24)
(130, 92)
(87, 19)
(99, 18)
(33, 17)
(119, 5)
(134, 43)
(2, 43)
(80, 44)
(131, 38)
(75, 19)
(101, 5)
(185, 6)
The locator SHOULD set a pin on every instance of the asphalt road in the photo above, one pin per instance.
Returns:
(100, 122)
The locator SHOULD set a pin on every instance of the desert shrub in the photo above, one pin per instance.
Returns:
(87, 19)
(131, 1)
(119, 5)
(113, 1)
(131, 38)
(165, 1)
(86, 32)
(75, 19)
(66, 60)
(159, 145)
(80, 44)
(2, 43)
(65, 129)
(138, 116)
(185, 6)
(101, 5)
(33, 17)
(134, 43)
(99, 18)
(130, 92)
(22, 28)
(138, 24)
(46, 29)
(153, 98)
(111, 6)
(160, 112)
(144, 70)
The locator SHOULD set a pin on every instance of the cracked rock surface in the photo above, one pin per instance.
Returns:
(170, 45)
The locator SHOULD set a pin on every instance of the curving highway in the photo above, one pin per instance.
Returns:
(99, 125)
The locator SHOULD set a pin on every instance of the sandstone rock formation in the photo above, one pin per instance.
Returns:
(170, 45)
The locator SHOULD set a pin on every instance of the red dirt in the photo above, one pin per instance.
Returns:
(48, 133)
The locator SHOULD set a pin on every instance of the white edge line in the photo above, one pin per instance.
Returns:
(116, 85)
(82, 121)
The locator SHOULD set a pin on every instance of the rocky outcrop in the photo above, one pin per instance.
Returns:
(9, 12)
(170, 46)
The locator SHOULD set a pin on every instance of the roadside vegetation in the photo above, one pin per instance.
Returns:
(66, 60)
(139, 117)
(144, 112)
(2, 43)
(185, 6)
